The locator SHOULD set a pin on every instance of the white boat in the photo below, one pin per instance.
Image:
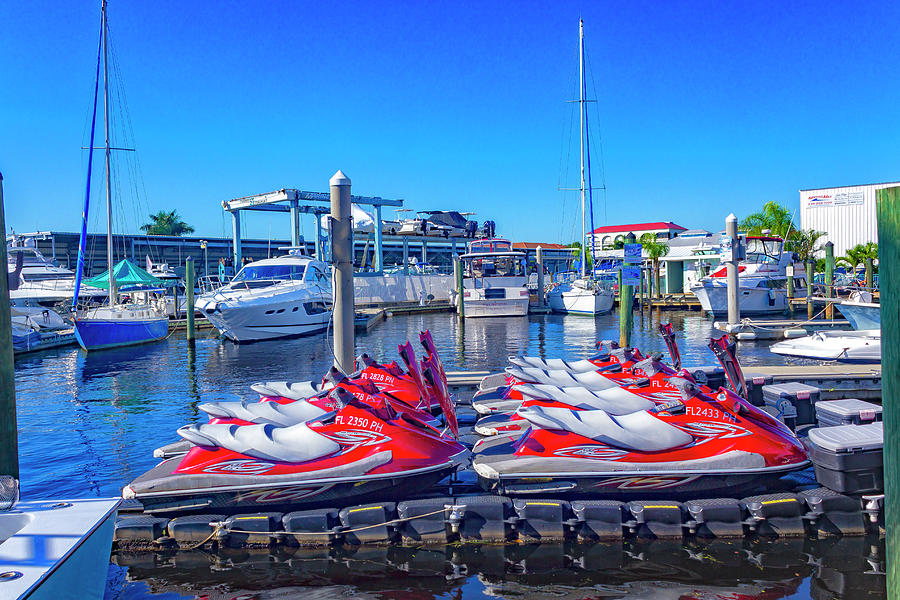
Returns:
(40, 282)
(861, 312)
(584, 295)
(762, 280)
(272, 298)
(56, 549)
(580, 296)
(844, 346)
(494, 281)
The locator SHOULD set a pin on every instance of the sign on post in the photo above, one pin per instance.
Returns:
(631, 275)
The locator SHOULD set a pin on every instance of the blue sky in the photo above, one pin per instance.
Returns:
(703, 107)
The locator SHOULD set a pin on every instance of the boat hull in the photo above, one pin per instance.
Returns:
(264, 321)
(580, 302)
(861, 315)
(657, 483)
(842, 346)
(232, 493)
(98, 334)
(753, 301)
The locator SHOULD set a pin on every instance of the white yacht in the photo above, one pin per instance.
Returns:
(762, 280)
(272, 298)
(585, 296)
(494, 281)
(40, 281)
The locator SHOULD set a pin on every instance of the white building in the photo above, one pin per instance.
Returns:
(846, 214)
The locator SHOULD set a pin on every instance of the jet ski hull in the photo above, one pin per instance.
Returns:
(235, 493)
(591, 478)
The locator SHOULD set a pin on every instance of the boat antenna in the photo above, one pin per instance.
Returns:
(82, 240)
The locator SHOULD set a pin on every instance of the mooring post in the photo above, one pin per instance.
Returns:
(342, 257)
(540, 276)
(9, 433)
(460, 296)
(189, 284)
(888, 210)
(790, 289)
(734, 299)
(641, 296)
(626, 304)
(829, 279)
(870, 275)
(406, 255)
(810, 267)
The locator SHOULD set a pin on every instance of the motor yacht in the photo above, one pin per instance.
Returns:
(41, 281)
(272, 298)
(762, 279)
(494, 281)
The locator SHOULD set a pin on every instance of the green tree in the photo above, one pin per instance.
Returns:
(655, 250)
(857, 255)
(805, 243)
(774, 217)
(166, 223)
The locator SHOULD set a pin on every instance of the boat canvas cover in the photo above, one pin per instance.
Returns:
(451, 218)
(128, 277)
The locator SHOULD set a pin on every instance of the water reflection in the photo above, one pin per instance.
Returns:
(849, 568)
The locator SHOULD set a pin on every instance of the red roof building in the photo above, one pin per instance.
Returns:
(605, 237)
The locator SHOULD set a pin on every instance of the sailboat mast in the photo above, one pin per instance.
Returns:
(581, 130)
(109, 223)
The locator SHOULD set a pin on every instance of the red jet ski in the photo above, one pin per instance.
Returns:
(698, 445)
(370, 446)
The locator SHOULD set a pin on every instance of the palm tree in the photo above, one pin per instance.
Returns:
(655, 249)
(774, 217)
(857, 255)
(166, 223)
(805, 243)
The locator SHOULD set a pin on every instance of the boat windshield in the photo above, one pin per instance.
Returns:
(499, 266)
(763, 250)
(269, 273)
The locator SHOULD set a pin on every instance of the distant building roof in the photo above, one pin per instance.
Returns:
(694, 233)
(534, 245)
(639, 227)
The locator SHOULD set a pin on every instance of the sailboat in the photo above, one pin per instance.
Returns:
(583, 295)
(140, 318)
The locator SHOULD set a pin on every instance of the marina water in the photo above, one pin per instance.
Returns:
(88, 424)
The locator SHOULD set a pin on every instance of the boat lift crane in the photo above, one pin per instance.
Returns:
(296, 203)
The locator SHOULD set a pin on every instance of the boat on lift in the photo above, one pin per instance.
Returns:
(272, 298)
(762, 280)
(494, 280)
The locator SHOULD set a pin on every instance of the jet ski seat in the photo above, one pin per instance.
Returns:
(615, 401)
(560, 364)
(283, 415)
(294, 444)
(591, 380)
(639, 431)
(300, 390)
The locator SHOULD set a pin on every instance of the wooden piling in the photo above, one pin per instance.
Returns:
(460, 296)
(9, 433)
(189, 278)
(829, 279)
(870, 275)
(626, 305)
(888, 210)
(540, 276)
(809, 288)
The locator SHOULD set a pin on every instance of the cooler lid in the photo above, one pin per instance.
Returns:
(848, 438)
(849, 407)
(790, 390)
